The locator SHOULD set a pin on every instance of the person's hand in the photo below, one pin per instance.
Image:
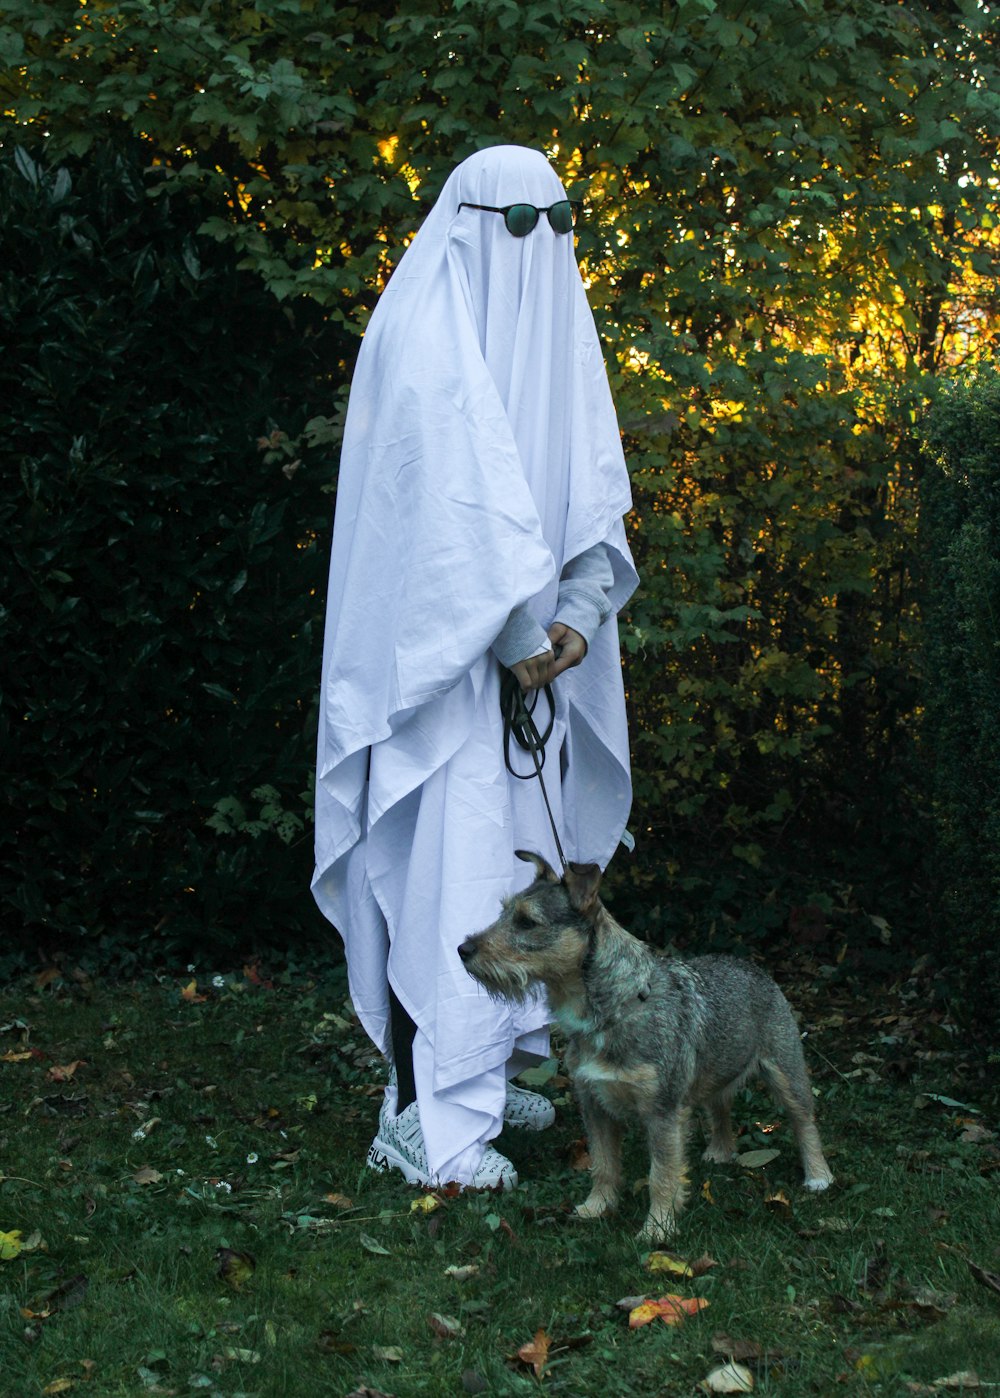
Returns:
(535, 672)
(569, 648)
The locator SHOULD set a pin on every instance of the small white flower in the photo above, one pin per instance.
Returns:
(180, 1172)
(190, 970)
(211, 1141)
(224, 1184)
(252, 1158)
(138, 1134)
(218, 982)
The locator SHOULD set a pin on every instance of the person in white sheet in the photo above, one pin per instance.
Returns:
(478, 523)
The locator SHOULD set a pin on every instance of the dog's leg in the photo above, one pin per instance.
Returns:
(789, 1083)
(721, 1142)
(667, 1182)
(604, 1139)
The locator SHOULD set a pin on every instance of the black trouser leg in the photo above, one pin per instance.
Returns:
(402, 1030)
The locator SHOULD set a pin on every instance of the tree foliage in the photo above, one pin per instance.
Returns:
(792, 224)
(960, 534)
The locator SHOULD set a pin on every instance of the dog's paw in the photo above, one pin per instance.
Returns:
(657, 1230)
(818, 1182)
(595, 1207)
(718, 1155)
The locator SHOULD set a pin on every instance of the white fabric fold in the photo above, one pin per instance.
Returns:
(481, 453)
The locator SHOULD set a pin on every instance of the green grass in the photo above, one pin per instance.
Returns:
(257, 1090)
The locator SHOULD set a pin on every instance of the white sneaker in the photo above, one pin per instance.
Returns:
(399, 1145)
(528, 1109)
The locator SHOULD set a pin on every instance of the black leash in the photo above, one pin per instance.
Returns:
(519, 723)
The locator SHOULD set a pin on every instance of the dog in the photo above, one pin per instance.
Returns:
(647, 1034)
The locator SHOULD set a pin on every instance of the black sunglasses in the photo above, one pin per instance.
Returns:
(521, 218)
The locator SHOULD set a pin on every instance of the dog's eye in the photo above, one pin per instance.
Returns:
(523, 922)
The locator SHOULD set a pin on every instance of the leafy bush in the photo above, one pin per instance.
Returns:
(163, 591)
(961, 536)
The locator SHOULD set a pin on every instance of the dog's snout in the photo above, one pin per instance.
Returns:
(466, 950)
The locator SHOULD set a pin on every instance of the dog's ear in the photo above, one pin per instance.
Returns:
(583, 882)
(542, 869)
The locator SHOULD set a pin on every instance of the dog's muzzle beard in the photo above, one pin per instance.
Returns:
(502, 980)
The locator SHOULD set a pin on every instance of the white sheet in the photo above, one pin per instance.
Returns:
(481, 453)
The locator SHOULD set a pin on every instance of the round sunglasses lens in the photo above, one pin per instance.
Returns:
(521, 219)
(561, 216)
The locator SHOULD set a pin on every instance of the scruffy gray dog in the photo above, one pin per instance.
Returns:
(647, 1034)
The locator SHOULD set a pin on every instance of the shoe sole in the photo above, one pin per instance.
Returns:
(382, 1157)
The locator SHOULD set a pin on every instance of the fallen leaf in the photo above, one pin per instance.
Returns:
(672, 1310)
(736, 1349)
(12, 1057)
(68, 1295)
(59, 1386)
(755, 1159)
(536, 1352)
(461, 1274)
(702, 1265)
(371, 1244)
(63, 1073)
(706, 1192)
(366, 1392)
(663, 1262)
(445, 1326)
(426, 1204)
(990, 1279)
(245, 1356)
(339, 1201)
(778, 1202)
(731, 1378)
(389, 1354)
(472, 1382)
(147, 1175)
(47, 976)
(629, 1303)
(235, 1268)
(968, 1380)
(10, 1245)
(579, 1156)
(190, 994)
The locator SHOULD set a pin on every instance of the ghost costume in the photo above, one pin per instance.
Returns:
(481, 463)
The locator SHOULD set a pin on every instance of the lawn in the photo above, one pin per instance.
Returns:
(184, 1208)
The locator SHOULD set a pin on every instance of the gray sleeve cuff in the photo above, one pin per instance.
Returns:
(521, 638)
(583, 592)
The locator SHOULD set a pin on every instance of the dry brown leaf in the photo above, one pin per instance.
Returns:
(64, 1072)
(59, 1386)
(461, 1274)
(339, 1201)
(736, 1349)
(579, 1156)
(445, 1326)
(190, 994)
(12, 1057)
(389, 1354)
(536, 1352)
(703, 1264)
(147, 1175)
(990, 1279)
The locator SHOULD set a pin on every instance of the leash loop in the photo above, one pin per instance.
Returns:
(519, 724)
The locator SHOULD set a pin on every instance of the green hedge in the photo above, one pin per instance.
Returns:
(163, 582)
(961, 537)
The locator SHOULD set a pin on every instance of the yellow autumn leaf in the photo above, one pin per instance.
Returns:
(59, 1386)
(425, 1205)
(10, 1245)
(663, 1262)
(13, 1057)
